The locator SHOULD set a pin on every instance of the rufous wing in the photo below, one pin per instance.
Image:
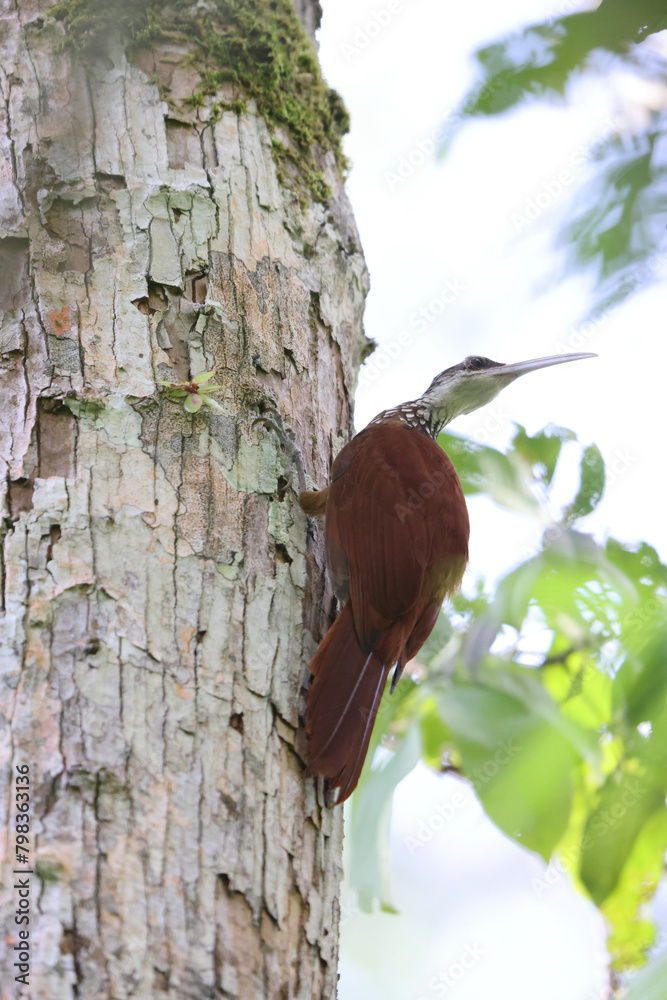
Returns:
(397, 525)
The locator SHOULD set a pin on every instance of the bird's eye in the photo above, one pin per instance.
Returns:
(474, 362)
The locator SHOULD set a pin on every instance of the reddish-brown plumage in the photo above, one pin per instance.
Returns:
(397, 543)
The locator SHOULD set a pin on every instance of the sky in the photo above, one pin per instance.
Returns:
(458, 268)
(455, 272)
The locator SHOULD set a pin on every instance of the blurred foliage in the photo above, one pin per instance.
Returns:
(649, 984)
(566, 746)
(619, 215)
(549, 692)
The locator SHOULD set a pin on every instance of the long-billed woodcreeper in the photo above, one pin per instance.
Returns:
(396, 535)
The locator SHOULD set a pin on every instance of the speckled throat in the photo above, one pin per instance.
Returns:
(415, 413)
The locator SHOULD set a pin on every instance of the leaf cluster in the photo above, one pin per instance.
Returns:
(194, 393)
(547, 693)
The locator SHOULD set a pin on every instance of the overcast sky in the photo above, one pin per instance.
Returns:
(455, 270)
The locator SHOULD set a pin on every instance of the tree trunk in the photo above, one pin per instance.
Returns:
(162, 591)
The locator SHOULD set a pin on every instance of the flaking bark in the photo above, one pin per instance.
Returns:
(161, 589)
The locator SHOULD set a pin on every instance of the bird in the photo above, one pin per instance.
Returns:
(396, 542)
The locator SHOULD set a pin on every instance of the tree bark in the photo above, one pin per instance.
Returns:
(161, 590)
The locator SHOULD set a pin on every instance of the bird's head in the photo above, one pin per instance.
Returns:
(476, 381)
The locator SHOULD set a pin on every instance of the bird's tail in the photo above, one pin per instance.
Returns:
(342, 703)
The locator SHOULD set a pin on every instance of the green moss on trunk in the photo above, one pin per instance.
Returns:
(259, 46)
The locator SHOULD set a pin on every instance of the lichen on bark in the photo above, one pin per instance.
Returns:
(257, 46)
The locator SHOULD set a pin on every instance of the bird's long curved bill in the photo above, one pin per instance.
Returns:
(521, 367)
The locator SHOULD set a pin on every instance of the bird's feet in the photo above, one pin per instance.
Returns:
(274, 421)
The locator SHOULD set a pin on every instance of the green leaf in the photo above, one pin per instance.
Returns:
(591, 486)
(482, 469)
(542, 449)
(640, 686)
(193, 402)
(369, 822)
(626, 910)
(628, 799)
(611, 235)
(434, 733)
(553, 751)
(539, 61)
(583, 690)
(640, 563)
(203, 377)
(177, 393)
(519, 765)
(515, 593)
(525, 684)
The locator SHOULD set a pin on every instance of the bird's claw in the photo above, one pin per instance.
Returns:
(287, 438)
